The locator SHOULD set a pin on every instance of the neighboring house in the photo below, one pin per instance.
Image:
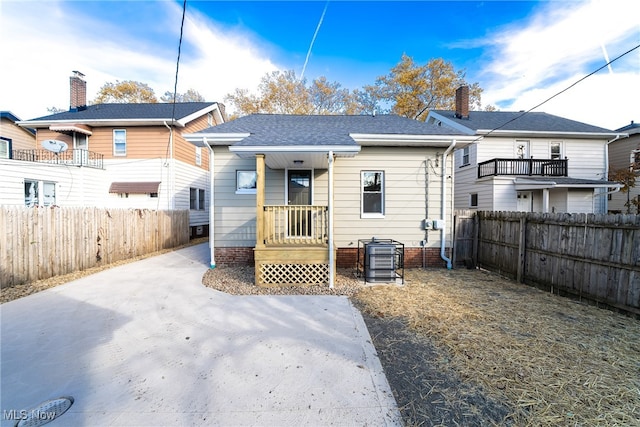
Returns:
(625, 154)
(532, 162)
(119, 155)
(296, 194)
(14, 137)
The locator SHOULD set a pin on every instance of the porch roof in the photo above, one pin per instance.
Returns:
(533, 183)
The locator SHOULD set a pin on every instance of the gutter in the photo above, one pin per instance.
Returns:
(443, 206)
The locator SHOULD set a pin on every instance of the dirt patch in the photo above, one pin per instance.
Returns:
(547, 360)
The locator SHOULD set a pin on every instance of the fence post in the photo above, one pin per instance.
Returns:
(521, 249)
(476, 235)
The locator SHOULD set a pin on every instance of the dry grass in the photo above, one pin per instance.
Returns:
(551, 360)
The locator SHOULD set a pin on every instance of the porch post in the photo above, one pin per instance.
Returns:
(332, 260)
(260, 200)
(545, 200)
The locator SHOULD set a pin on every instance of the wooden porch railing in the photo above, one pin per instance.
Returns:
(528, 167)
(295, 225)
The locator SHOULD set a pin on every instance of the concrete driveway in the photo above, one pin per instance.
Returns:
(146, 344)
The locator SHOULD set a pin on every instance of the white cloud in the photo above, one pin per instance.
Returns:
(561, 43)
(48, 40)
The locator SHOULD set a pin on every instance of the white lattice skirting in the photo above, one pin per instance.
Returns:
(294, 274)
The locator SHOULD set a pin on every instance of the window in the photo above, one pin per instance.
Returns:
(39, 193)
(635, 160)
(522, 149)
(465, 156)
(30, 193)
(246, 182)
(198, 156)
(196, 199)
(210, 119)
(473, 200)
(555, 150)
(119, 142)
(5, 148)
(372, 198)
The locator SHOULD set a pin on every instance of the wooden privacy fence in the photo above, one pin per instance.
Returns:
(38, 243)
(592, 256)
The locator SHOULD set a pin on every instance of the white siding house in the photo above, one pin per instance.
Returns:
(528, 162)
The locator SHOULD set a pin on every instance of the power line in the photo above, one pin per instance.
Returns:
(560, 92)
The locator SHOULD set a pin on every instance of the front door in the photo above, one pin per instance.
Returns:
(299, 194)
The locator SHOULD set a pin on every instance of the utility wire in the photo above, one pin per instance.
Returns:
(559, 93)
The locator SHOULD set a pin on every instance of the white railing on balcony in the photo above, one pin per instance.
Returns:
(295, 225)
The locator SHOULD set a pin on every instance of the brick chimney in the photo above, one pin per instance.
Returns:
(78, 97)
(462, 102)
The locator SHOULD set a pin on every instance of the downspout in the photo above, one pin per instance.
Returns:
(171, 201)
(332, 272)
(606, 171)
(212, 246)
(443, 204)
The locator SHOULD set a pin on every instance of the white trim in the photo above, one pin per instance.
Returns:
(214, 138)
(261, 149)
(410, 140)
(375, 215)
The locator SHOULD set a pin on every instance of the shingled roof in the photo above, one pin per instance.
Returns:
(129, 111)
(284, 129)
(519, 121)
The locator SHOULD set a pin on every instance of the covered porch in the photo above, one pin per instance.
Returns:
(294, 240)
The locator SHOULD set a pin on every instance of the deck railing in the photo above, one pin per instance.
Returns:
(73, 157)
(526, 167)
(296, 225)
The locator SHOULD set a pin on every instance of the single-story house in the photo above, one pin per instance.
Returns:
(297, 194)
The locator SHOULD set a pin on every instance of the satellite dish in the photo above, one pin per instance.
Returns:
(54, 145)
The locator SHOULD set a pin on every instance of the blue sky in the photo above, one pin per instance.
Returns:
(520, 52)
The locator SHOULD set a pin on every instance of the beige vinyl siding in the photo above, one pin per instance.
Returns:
(21, 139)
(234, 214)
(405, 204)
(404, 197)
(74, 186)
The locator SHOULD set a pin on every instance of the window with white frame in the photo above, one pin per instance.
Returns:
(246, 182)
(196, 199)
(210, 121)
(198, 156)
(5, 148)
(372, 194)
(635, 160)
(465, 156)
(39, 193)
(555, 150)
(119, 142)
